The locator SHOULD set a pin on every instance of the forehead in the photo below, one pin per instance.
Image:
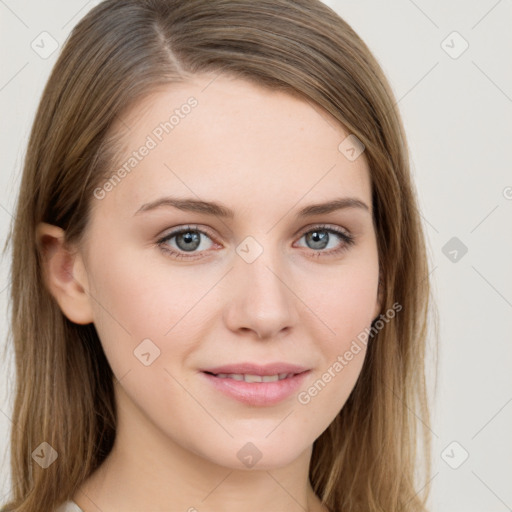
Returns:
(223, 137)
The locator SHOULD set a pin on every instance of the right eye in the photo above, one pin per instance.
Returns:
(186, 240)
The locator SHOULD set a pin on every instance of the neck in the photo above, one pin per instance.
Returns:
(146, 470)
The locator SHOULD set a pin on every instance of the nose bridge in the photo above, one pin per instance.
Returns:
(263, 301)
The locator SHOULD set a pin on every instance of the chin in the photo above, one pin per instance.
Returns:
(257, 454)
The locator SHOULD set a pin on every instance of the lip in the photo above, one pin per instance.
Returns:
(255, 369)
(258, 394)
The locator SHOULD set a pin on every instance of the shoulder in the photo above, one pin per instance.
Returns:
(69, 506)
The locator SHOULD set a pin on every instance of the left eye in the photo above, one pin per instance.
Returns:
(320, 237)
(188, 240)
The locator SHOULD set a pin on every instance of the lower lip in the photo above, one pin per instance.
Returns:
(258, 393)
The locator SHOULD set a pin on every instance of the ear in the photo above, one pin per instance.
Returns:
(64, 274)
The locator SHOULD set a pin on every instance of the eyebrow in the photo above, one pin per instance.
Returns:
(219, 210)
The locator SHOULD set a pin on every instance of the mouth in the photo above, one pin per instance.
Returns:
(279, 369)
(251, 378)
(256, 390)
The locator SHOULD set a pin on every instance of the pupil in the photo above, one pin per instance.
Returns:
(188, 237)
(320, 239)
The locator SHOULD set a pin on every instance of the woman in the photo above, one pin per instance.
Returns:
(220, 289)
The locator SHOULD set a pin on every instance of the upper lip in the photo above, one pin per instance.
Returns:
(256, 369)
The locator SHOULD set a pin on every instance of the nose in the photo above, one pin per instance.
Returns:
(263, 301)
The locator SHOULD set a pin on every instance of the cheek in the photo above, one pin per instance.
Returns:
(346, 309)
(343, 354)
(136, 299)
(344, 299)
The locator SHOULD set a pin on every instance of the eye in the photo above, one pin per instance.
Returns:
(187, 240)
(320, 237)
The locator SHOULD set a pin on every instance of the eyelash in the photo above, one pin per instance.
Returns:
(348, 241)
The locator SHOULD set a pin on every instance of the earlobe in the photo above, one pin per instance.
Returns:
(64, 274)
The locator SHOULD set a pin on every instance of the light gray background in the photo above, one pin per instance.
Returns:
(457, 114)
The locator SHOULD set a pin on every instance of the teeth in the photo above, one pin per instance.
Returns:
(254, 378)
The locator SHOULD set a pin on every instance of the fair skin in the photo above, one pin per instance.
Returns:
(265, 155)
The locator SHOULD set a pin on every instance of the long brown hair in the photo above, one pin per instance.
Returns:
(117, 54)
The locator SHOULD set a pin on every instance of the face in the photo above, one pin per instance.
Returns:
(179, 287)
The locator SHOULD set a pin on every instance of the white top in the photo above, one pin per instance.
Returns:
(69, 506)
